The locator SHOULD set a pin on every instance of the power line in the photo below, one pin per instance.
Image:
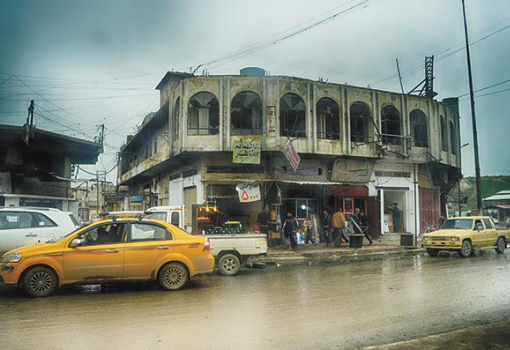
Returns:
(275, 40)
(445, 53)
(488, 87)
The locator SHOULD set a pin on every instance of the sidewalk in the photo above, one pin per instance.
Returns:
(319, 252)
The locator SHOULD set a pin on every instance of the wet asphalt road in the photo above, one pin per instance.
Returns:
(343, 305)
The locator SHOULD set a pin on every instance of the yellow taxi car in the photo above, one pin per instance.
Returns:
(108, 251)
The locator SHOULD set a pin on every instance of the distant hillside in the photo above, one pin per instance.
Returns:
(490, 186)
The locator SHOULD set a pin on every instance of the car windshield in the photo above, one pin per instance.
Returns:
(457, 224)
(75, 220)
(157, 216)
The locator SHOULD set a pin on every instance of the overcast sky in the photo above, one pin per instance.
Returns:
(95, 62)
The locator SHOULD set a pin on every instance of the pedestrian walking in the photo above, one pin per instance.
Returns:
(363, 224)
(338, 225)
(326, 226)
(396, 217)
(290, 228)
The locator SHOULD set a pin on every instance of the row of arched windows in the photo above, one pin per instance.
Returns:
(246, 119)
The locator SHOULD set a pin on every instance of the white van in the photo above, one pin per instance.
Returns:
(20, 226)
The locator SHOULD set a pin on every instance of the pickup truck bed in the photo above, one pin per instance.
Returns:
(231, 251)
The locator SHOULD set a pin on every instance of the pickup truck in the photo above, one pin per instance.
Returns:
(466, 234)
(230, 251)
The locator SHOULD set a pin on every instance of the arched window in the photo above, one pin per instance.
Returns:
(419, 128)
(360, 119)
(453, 138)
(246, 114)
(444, 140)
(328, 119)
(203, 114)
(390, 126)
(292, 116)
(175, 125)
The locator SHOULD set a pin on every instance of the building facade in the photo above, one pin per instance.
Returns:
(292, 144)
(35, 166)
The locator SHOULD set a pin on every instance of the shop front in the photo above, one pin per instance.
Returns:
(235, 207)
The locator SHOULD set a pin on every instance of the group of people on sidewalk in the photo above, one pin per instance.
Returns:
(334, 228)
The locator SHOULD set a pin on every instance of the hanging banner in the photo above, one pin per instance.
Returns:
(248, 192)
(246, 149)
(292, 156)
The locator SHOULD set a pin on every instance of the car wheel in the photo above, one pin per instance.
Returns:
(40, 282)
(173, 276)
(466, 249)
(432, 252)
(500, 245)
(229, 265)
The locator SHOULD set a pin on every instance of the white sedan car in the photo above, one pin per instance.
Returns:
(21, 226)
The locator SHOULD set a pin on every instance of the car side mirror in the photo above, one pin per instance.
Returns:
(76, 242)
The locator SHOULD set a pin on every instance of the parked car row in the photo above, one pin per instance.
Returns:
(126, 246)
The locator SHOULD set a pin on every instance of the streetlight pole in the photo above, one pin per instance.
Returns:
(473, 117)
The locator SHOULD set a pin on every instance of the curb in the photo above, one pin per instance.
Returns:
(321, 256)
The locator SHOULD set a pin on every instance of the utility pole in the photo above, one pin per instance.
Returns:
(30, 117)
(473, 117)
(400, 77)
(30, 123)
(100, 139)
(97, 191)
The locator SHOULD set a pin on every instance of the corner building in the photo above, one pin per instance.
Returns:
(354, 148)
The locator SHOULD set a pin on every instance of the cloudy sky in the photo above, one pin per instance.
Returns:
(87, 63)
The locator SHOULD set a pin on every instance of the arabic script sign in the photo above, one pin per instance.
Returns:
(246, 149)
(248, 192)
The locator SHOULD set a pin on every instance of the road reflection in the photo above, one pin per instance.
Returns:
(345, 304)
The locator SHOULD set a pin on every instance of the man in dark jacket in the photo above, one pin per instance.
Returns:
(326, 226)
(290, 228)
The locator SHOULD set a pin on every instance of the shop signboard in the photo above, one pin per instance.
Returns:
(248, 192)
(246, 149)
(136, 200)
(113, 197)
(292, 156)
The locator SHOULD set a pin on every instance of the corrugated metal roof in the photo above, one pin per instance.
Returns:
(498, 197)
(501, 195)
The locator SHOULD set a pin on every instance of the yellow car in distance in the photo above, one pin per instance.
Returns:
(465, 235)
(108, 251)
